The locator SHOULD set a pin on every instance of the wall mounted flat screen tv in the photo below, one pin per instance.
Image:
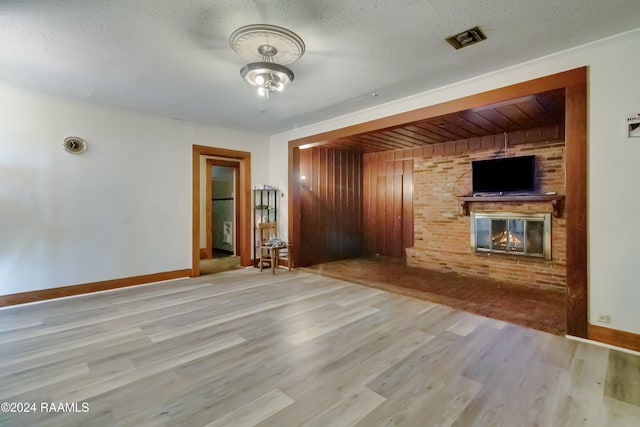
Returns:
(506, 175)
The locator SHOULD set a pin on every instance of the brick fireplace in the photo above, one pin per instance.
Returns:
(511, 233)
(442, 232)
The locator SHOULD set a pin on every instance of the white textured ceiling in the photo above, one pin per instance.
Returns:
(171, 57)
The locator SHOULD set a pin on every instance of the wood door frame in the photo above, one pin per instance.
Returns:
(209, 196)
(574, 83)
(244, 200)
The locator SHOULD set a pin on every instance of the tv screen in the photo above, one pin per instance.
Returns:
(510, 174)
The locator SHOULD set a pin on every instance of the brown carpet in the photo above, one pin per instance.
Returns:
(534, 308)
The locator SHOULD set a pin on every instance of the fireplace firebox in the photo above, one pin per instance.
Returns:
(512, 233)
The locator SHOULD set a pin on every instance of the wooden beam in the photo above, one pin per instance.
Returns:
(576, 208)
(294, 202)
(195, 214)
(542, 84)
(209, 209)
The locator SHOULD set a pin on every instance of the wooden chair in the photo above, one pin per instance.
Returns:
(269, 254)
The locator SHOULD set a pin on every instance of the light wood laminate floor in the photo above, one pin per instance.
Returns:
(244, 348)
(534, 308)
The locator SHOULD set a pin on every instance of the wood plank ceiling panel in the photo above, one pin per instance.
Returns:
(536, 112)
(515, 114)
(399, 139)
(414, 133)
(440, 130)
(523, 113)
(480, 121)
(426, 133)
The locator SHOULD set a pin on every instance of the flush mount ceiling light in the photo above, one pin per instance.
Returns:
(269, 48)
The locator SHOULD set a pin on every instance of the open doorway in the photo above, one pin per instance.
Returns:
(221, 216)
(221, 209)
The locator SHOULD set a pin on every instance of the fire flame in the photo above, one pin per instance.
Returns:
(503, 236)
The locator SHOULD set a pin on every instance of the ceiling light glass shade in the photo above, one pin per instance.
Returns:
(268, 47)
(267, 76)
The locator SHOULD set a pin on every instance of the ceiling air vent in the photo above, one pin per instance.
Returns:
(466, 38)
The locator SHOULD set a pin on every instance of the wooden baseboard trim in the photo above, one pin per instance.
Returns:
(66, 291)
(614, 337)
(203, 253)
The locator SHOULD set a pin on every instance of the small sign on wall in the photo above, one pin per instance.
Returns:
(633, 126)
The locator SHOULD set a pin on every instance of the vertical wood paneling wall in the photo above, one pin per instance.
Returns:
(387, 203)
(330, 205)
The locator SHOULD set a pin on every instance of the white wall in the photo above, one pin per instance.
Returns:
(121, 209)
(614, 172)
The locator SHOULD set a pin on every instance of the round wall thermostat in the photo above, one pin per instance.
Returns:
(74, 145)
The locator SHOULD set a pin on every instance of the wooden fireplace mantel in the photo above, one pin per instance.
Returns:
(556, 200)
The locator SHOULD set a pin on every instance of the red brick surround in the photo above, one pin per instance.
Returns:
(442, 233)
